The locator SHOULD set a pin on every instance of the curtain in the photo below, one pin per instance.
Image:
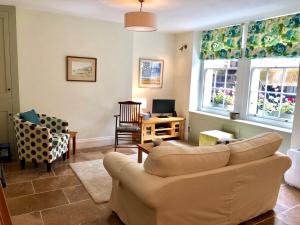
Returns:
(223, 43)
(277, 37)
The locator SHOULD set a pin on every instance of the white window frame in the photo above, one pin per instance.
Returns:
(274, 122)
(214, 110)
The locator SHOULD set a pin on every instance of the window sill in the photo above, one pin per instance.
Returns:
(285, 130)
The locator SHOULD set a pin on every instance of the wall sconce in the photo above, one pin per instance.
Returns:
(183, 47)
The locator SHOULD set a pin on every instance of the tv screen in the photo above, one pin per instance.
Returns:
(163, 106)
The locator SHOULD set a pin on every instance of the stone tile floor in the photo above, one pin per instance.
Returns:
(36, 197)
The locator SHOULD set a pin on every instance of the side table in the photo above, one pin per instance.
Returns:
(144, 148)
(73, 135)
(213, 137)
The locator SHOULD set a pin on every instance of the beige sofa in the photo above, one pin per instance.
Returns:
(218, 185)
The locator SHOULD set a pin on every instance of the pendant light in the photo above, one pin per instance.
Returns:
(140, 21)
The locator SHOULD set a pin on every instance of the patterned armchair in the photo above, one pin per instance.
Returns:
(42, 143)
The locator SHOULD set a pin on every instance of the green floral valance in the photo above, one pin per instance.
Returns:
(223, 43)
(277, 37)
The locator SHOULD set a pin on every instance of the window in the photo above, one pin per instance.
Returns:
(273, 89)
(267, 71)
(219, 84)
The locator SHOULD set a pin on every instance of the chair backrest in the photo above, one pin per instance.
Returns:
(130, 112)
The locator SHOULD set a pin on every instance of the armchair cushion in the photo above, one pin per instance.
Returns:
(258, 147)
(128, 128)
(30, 116)
(166, 161)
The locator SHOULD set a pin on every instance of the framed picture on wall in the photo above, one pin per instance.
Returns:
(81, 69)
(151, 73)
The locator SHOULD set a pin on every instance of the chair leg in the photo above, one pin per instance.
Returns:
(22, 164)
(140, 138)
(35, 164)
(116, 141)
(64, 156)
(49, 167)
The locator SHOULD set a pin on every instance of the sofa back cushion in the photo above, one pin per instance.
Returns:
(258, 147)
(165, 161)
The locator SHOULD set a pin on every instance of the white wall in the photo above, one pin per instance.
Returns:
(187, 66)
(154, 45)
(199, 122)
(183, 69)
(44, 40)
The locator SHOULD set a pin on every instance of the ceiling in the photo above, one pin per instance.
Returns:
(173, 15)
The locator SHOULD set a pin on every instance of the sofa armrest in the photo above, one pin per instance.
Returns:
(132, 176)
(114, 162)
(56, 125)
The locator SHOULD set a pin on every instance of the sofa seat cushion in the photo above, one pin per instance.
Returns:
(258, 147)
(166, 161)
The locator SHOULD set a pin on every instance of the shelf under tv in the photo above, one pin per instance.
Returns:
(165, 128)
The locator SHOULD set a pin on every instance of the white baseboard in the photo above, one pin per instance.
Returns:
(94, 142)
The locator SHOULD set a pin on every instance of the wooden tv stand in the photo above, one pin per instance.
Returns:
(165, 128)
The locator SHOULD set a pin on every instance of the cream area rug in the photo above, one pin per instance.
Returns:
(95, 178)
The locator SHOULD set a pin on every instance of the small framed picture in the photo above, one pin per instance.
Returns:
(151, 73)
(81, 69)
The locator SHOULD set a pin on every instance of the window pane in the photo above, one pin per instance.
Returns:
(274, 80)
(259, 80)
(291, 80)
(271, 105)
(288, 107)
(231, 79)
(220, 81)
(213, 81)
(219, 98)
(229, 99)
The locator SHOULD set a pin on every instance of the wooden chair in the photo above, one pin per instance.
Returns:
(128, 124)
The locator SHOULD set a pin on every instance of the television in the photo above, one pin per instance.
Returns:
(163, 106)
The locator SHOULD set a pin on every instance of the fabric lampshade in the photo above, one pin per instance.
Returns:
(140, 21)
